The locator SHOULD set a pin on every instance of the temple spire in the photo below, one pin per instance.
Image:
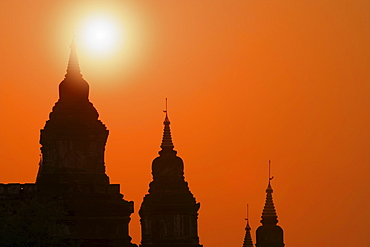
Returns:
(73, 68)
(167, 145)
(269, 234)
(73, 87)
(269, 215)
(247, 239)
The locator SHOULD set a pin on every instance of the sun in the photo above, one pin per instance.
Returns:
(99, 35)
(110, 39)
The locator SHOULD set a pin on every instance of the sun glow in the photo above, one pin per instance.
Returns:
(100, 35)
(111, 39)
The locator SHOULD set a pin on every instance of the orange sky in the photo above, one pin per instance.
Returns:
(247, 81)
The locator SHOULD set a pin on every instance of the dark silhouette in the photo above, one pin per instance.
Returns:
(73, 203)
(29, 223)
(169, 212)
(72, 174)
(72, 168)
(269, 234)
(247, 238)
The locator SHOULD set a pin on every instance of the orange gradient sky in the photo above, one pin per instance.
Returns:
(247, 82)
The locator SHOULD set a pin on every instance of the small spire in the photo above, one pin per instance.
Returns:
(247, 219)
(165, 111)
(269, 213)
(248, 238)
(167, 145)
(73, 68)
(247, 212)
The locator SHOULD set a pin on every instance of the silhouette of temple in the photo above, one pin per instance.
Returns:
(169, 212)
(73, 203)
(72, 168)
(269, 234)
(72, 172)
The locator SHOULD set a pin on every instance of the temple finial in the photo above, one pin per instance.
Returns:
(269, 212)
(270, 178)
(73, 68)
(247, 219)
(166, 111)
(166, 107)
(167, 145)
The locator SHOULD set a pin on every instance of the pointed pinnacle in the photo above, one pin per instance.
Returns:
(269, 213)
(247, 238)
(167, 139)
(73, 68)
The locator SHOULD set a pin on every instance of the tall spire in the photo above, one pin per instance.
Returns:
(73, 68)
(167, 145)
(247, 239)
(269, 234)
(269, 215)
(73, 87)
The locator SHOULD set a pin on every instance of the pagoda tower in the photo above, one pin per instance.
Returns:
(169, 212)
(72, 170)
(247, 238)
(269, 234)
